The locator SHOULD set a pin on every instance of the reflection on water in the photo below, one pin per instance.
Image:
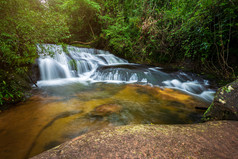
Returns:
(59, 113)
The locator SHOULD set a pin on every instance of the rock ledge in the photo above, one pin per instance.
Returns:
(217, 139)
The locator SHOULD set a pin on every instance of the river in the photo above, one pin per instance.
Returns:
(81, 90)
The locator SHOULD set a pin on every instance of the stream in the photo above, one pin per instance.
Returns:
(81, 90)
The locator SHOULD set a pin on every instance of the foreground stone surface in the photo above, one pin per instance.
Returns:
(225, 104)
(217, 139)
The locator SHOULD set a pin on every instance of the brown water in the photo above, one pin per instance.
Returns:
(57, 114)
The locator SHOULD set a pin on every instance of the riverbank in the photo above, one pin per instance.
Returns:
(217, 139)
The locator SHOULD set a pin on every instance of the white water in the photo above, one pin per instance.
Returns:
(90, 65)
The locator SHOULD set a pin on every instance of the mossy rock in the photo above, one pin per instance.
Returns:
(225, 104)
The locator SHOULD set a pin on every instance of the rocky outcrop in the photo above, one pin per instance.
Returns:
(217, 139)
(225, 104)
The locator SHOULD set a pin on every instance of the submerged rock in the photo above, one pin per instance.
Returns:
(106, 109)
(225, 104)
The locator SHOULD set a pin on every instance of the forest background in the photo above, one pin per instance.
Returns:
(202, 34)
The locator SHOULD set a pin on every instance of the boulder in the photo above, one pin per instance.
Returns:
(225, 104)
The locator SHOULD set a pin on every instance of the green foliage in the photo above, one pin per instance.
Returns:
(163, 31)
(23, 24)
(122, 27)
(205, 33)
(11, 91)
(120, 34)
(81, 17)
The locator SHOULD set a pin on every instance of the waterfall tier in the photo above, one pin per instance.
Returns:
(59, 65)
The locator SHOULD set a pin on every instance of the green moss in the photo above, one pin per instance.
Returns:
(65, 48)
(82, 45)
(207, 117)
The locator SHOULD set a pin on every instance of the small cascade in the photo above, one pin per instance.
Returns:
(51, 69)
(58, 64)
(191, 84)
(72, 62)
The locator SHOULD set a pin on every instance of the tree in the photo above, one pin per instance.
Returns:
(23, 25)
(82, 17)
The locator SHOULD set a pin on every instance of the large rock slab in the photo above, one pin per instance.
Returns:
(217, 139)
(225, 104)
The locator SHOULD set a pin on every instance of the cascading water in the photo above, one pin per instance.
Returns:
(91, 65)
(75, 62)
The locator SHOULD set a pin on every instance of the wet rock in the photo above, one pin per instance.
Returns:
(106, 109)
(73, 135)
(35, 71)
(52, 144)
(225, 104)
(124, 66)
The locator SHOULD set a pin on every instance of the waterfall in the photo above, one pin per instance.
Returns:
(59, 65)
(74, 62)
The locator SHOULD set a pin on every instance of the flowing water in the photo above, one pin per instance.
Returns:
(82, 90)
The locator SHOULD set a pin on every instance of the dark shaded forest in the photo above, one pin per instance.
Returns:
(200, 33)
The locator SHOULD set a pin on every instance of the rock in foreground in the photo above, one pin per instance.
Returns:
(225, 104)
(218, 139)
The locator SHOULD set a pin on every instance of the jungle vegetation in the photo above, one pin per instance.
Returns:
(201, 32)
